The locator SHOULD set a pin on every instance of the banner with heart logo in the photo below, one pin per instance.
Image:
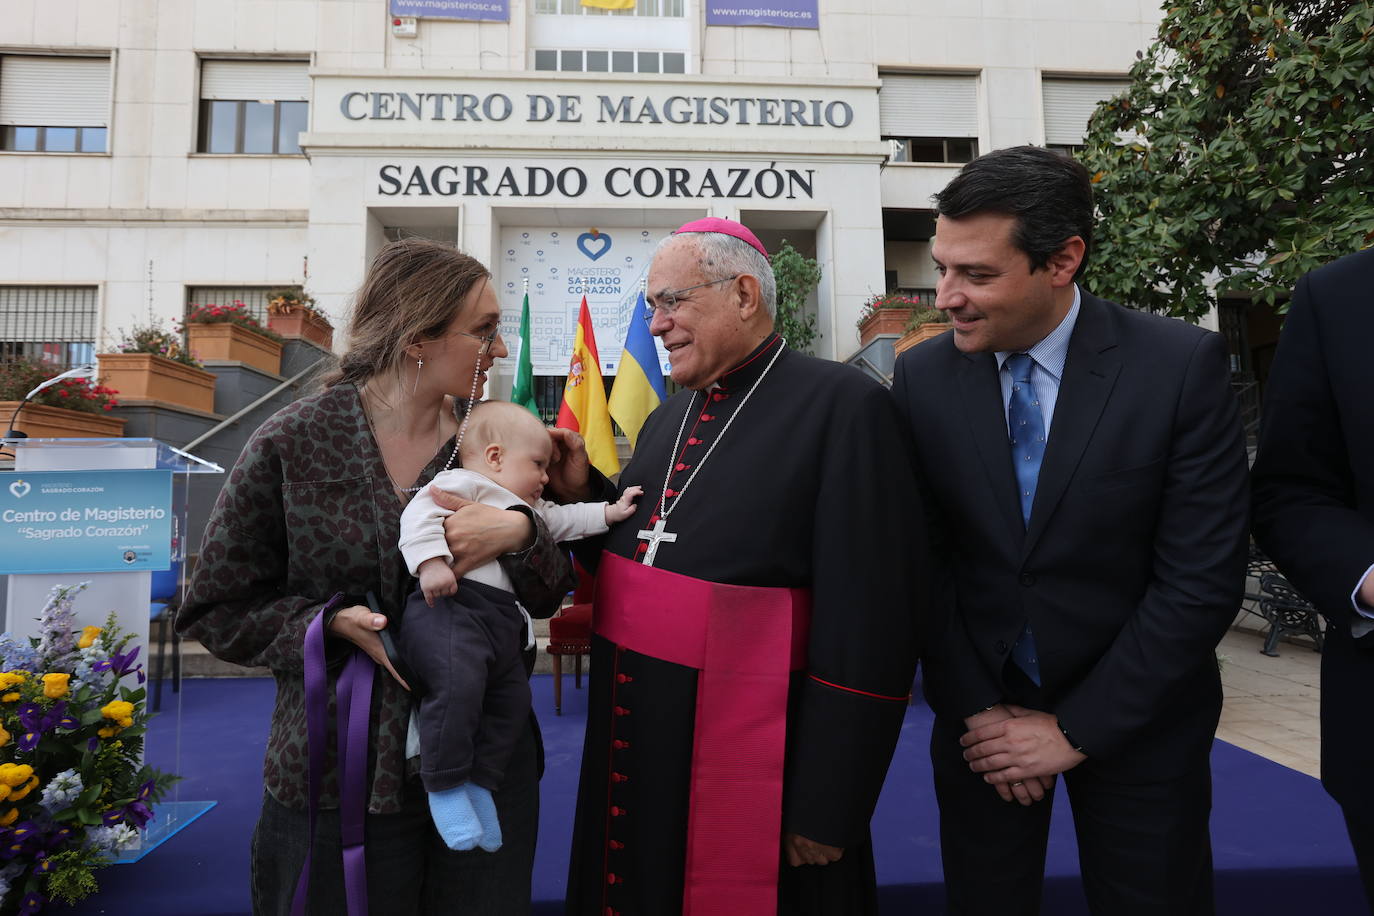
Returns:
(86, 521)
(563, 265)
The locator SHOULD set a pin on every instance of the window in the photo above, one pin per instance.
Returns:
(674, 8)
(929, 117)
(1069, 103)
(50, 324)
(611, 61)
(931, 149)
(254, 297)
(253, 107)
(54, 104)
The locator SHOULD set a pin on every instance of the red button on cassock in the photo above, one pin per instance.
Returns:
(621, 711)
(694, 441)
(706, 418)
(616, 844)
(623, 679)
(616, 811)
(619, 777)
(613, 878)
(619, 744)
(681, 467)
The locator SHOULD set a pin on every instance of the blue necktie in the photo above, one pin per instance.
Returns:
(1027, 428)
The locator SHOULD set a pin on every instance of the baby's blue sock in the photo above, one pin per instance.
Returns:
(485, 807)
(454, 817)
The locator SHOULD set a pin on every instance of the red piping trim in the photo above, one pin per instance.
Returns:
(876, 696)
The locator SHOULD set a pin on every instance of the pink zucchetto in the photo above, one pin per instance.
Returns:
(724, 227)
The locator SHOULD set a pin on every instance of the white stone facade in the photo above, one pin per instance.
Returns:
(240, 220)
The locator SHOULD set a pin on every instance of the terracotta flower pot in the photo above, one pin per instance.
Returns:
(232, 342)
(303, 324)
(39, 421)
(157, 378)
(883, 321)
(922, 332)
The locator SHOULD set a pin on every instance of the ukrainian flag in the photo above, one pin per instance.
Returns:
(638, 385)
(610, 4)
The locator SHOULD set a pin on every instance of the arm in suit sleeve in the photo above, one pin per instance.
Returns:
(965, 685)
(1198, 574)
(1304, 489)
(868, 549)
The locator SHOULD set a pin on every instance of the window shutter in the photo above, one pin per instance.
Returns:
(255, 80)
(1069, 103)
(918, 105)
(54, 91)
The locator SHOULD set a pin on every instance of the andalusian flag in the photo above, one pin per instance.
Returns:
(523, 393)
(638, 385)
(610, 4)
(584, 399)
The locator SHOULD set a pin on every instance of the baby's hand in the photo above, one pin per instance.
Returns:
(623, 507)
(436, 579)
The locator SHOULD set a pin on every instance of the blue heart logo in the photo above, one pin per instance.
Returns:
(586, 242)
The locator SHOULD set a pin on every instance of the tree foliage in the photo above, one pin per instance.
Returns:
(1241, 155)
(796, 276)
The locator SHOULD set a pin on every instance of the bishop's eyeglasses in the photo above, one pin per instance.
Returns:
(668, 300)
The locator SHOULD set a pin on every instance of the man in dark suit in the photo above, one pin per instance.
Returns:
(1086, 467)
(1314, 511)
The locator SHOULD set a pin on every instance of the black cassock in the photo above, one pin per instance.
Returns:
(812, 487)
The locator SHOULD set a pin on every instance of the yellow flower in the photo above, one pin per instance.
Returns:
(9, 817)
(88, 635)
(10, 697)
(12, 678)
(18, 794)
(107, 732)
(15, 774)
(4, 736)
(55, 685)
(118, 710)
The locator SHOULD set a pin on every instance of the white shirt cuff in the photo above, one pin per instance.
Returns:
(1362, 609)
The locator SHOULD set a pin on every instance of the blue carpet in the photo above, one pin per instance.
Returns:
(1278, 840)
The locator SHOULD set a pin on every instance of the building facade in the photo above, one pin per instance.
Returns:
(157, 153)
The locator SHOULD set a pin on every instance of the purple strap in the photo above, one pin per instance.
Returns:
(353, 700)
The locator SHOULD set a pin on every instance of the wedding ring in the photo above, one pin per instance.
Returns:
(1017, 783)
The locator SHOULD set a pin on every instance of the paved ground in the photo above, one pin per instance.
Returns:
(1271, 703)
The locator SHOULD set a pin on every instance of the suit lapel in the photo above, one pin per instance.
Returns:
(1090, 372)
(982, 396)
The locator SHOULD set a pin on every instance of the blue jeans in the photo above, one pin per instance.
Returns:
(410, 872)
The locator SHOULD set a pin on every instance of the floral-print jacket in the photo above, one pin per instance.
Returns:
(308, 512)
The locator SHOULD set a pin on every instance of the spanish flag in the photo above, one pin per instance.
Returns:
(584, 399)
(638, 385)
(610, 4)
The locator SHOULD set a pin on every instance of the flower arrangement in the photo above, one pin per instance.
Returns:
(73, 788)
(229, 314)
(878, 302)
(19, 377)
(926, 315)
(154, 338)
(289, 300)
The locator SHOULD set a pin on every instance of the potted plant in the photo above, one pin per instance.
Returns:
(924, 324)
(229, 332)
(885, 313)
(292, 313)
(73, 408)
(797, 276)
(150, 363)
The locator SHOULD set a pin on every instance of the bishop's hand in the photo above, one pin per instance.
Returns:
(801, 851)
(569, 470)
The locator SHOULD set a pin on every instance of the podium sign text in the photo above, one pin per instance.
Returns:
(85, 521)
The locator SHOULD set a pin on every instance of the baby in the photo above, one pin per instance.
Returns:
(464, 641)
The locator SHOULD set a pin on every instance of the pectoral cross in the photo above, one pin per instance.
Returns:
(655, 536)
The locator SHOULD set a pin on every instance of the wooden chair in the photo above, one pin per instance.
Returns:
(570, 633)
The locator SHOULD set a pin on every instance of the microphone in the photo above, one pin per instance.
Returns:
(86, 371)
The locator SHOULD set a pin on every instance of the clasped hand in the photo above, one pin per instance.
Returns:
(1019, 751)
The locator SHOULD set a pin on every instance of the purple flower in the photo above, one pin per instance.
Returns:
(32, 904)
(92, 744)
(37, 722)
(41, 864)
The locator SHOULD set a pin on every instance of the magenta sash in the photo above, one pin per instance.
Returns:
(744, 641)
